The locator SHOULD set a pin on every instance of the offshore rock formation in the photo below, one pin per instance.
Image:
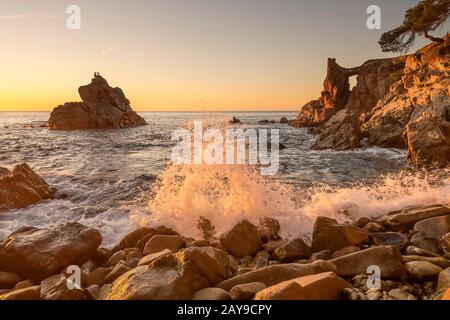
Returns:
(103, 107)
(373, 82)
(389, 101)
(22, 187)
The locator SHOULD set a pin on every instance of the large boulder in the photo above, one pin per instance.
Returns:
(427, 233)
(340, 132)
(322, 286)
(103, 107)
(172, 277)
(404, 220)
(242, 240)
(275, 274)
(428, 140)
(56, 288)
(329, 235)
(39, 253)
(388, 259)
(22, 187)
(293, 250)
(160, 242)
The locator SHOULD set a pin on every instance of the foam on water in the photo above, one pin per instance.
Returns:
(106, 180)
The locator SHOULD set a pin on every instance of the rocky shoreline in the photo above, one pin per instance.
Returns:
(410, 248)
(401, 102)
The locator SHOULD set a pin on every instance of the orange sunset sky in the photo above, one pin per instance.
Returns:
(183, 55)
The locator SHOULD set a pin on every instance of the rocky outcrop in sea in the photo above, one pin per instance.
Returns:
(22, 187)
(103, 107)
(401, 102)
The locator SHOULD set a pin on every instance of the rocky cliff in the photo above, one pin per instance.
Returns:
(103, 107)
(392, 100)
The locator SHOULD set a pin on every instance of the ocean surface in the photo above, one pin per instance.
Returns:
(115, 180)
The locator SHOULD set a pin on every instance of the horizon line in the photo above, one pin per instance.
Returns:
(168, 111)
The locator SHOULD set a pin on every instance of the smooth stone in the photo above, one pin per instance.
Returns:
(211, 294)
(422, 269)
(322, 286)
(246, 291)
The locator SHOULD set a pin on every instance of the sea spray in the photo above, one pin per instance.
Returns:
(226, 194)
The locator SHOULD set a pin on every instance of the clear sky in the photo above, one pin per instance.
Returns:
(184, 54)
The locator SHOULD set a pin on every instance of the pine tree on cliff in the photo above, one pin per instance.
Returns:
(425, 17)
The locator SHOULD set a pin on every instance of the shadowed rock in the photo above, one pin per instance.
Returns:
(21, 188)
(39, 253)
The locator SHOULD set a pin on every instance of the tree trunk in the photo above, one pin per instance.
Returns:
(426, 35)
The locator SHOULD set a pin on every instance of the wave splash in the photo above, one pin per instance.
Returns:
(227, 194)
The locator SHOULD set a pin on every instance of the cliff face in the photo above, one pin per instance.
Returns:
(103, 107)
(423, 87)
(389, 98)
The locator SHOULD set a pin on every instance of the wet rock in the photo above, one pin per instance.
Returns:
(428, 140)
(211, 294)
(115, 258)
(56, 288)
(148, 259)
(242, 240)
(277, 273)
(160, 242)
(323, 286)
(269, 229)
(388, 259)
(103, 107)
(30, 293)
(39, 253)
(389, 239)
(8, 280)
(403, 220)
(272, 245)
(22, 187)
(139, 237)
(284, 120)
(329, 235)
(173, 277)
(422, 269)
(235, 120)
(246, 291)
(293, 250)
(345, 251)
